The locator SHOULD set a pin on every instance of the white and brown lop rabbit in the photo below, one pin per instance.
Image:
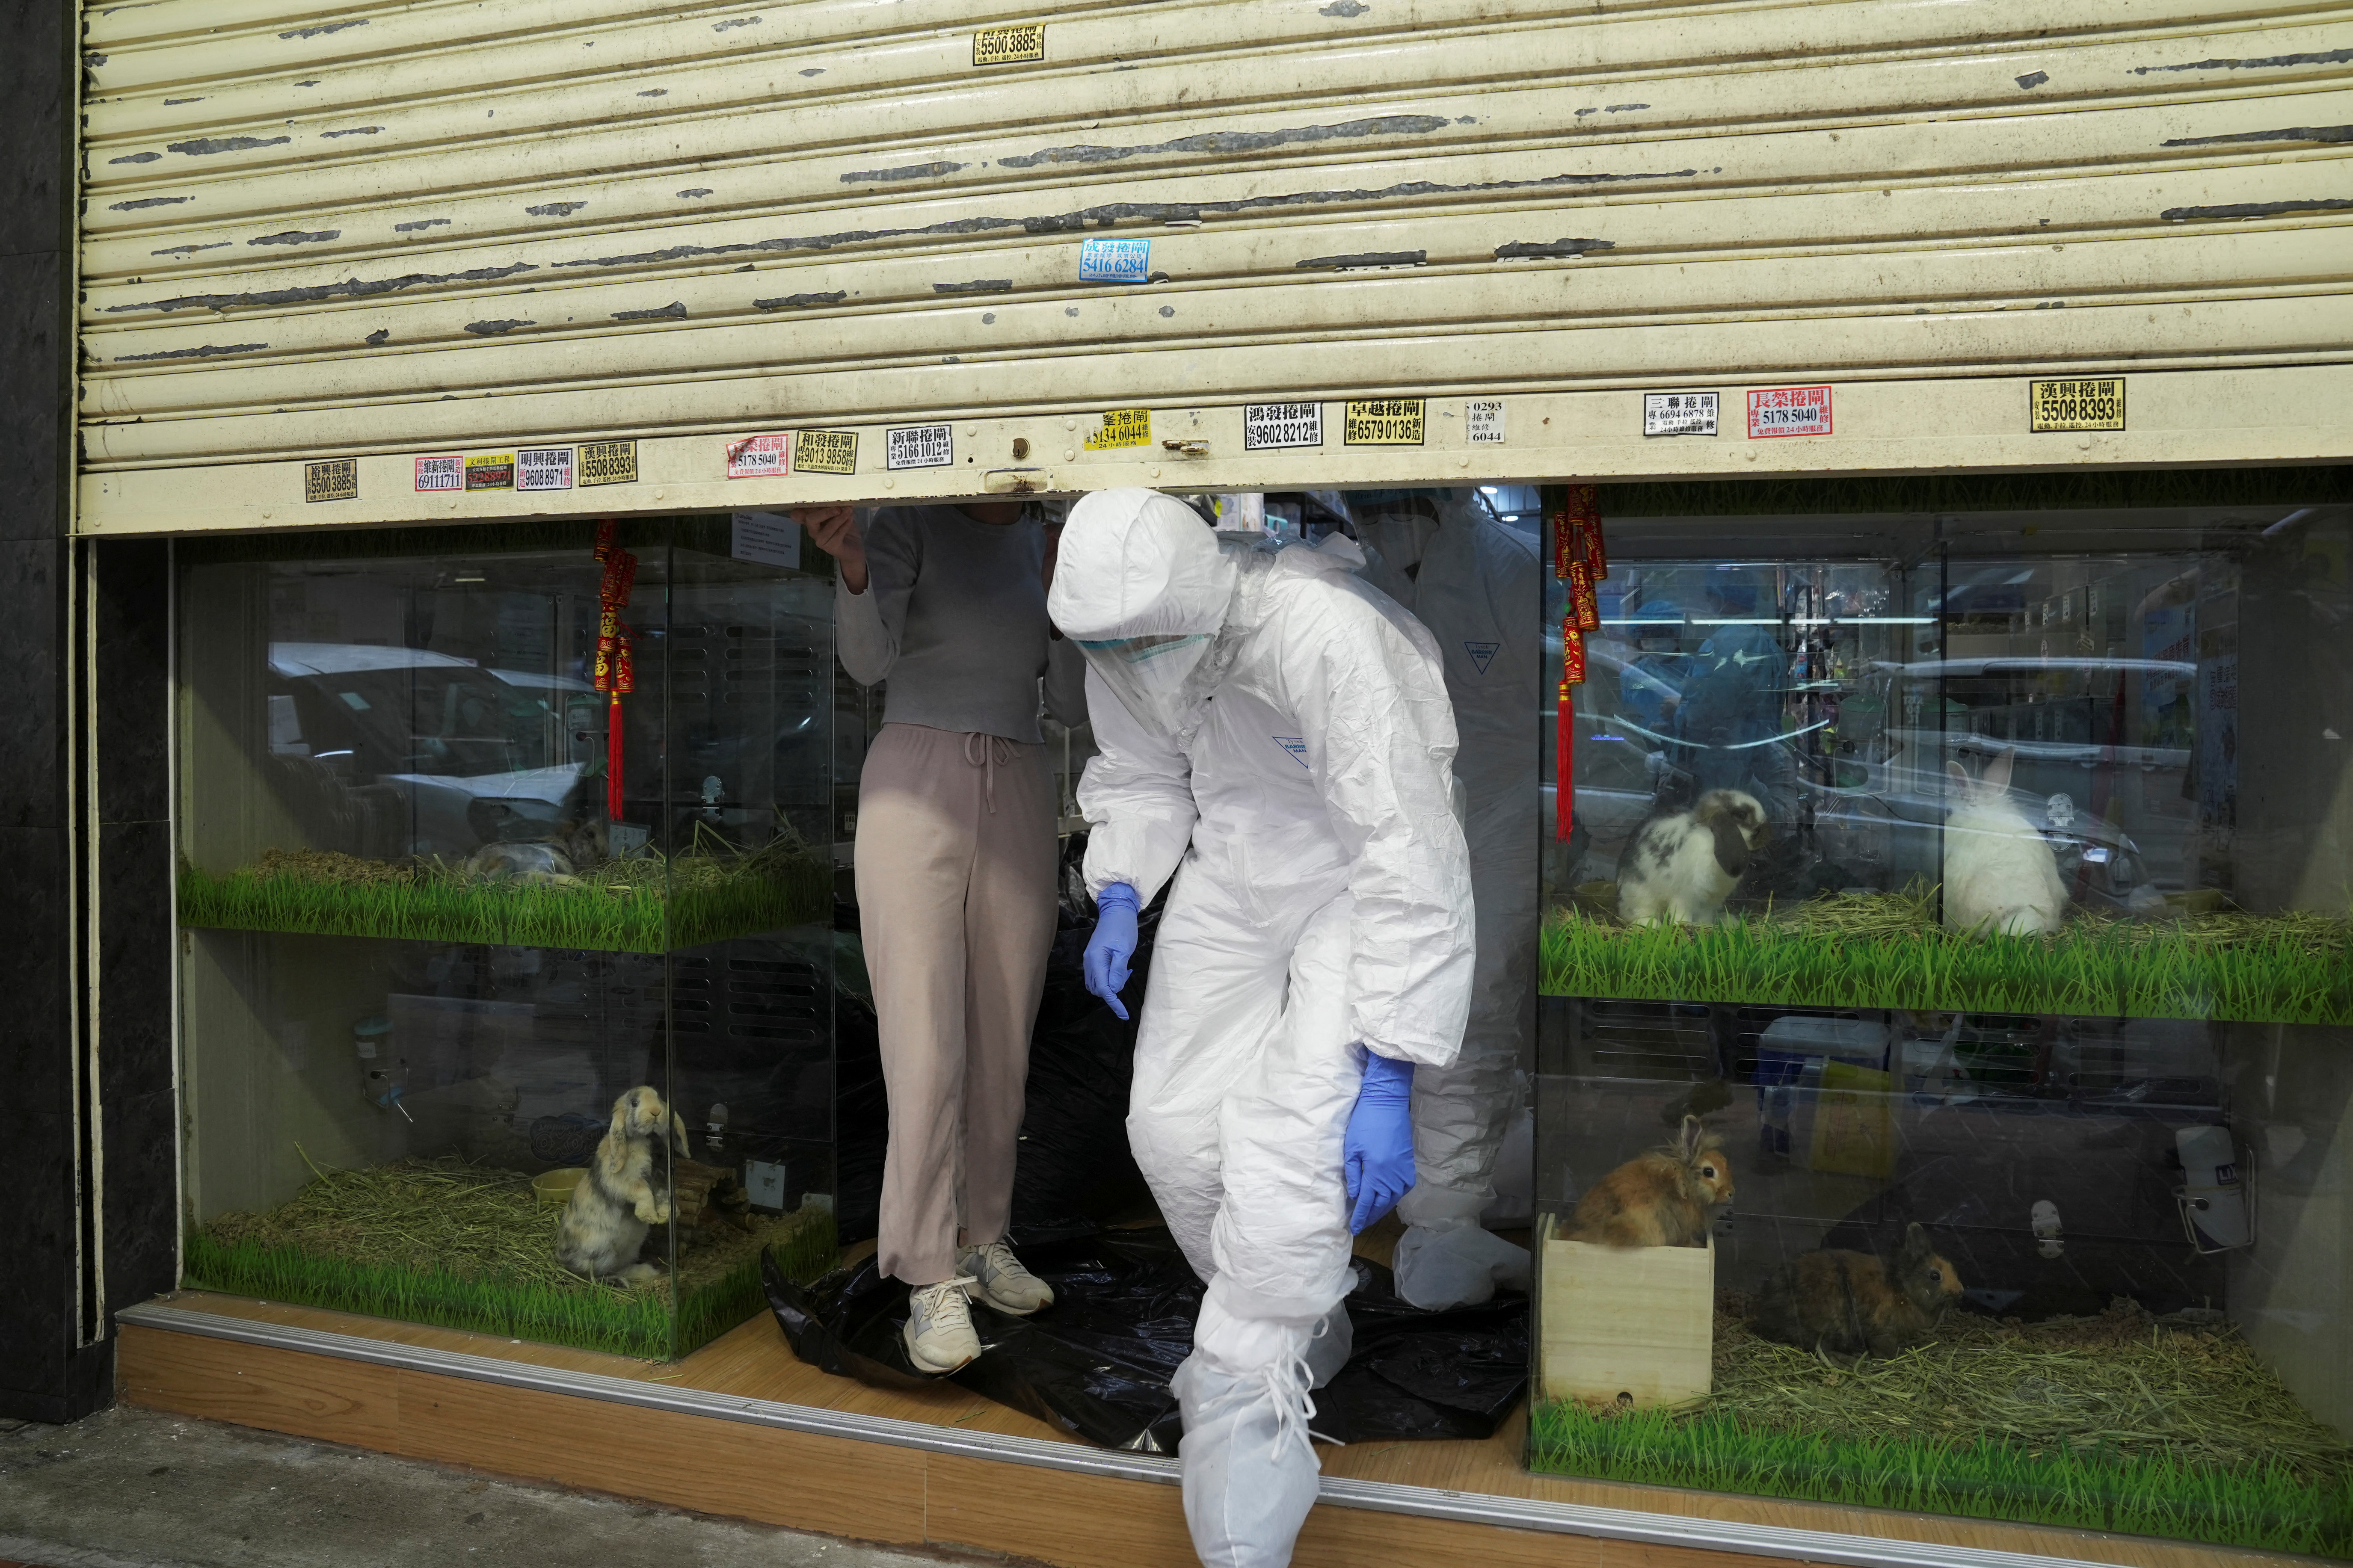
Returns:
(1680, 868)
(2000, 873)
(606, 1221)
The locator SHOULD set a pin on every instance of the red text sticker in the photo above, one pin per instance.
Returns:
(759, 457)
(1789, 411)
(441, 473)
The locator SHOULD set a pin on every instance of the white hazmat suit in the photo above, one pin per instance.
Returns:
(1478, 586)
(1294, 752)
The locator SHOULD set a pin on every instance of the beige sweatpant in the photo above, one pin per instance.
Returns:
(955, 900)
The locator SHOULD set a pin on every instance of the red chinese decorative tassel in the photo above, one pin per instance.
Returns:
(1579, 559)
(616, 669)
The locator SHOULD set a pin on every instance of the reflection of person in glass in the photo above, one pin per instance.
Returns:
(1730, 716)
(1651, 684)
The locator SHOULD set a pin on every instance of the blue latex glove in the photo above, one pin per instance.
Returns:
(1113, 944)
(1376, 1157)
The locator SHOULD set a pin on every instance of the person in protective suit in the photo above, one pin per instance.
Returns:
(1283, 731)
(1730, 714)
(1478, 586)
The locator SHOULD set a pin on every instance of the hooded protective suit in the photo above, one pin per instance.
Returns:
(1295, 759)
(1477, 585)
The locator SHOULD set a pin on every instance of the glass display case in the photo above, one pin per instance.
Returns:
(1944, 959)
(506, 889)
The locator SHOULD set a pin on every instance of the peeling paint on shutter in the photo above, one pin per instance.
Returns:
(310, 234)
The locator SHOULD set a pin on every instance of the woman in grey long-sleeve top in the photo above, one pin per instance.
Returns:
(955, 860)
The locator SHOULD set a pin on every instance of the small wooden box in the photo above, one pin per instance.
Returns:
(1637, 1322)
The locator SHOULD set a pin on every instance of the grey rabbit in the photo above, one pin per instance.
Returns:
(606, 1221)
(1844, 1303)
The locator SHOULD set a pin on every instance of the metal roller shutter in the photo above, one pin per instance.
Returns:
(323, 233)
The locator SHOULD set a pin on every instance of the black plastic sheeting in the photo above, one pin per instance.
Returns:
(1097, 1363)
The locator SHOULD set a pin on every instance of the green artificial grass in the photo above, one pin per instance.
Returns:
(586, 1317)
(625, 910)
(572, 1312)
(2257, 1503)
(2158, 1425)
(2288, 969)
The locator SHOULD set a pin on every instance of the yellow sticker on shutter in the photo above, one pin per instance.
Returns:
(1021, 45)
(609, 463)
(1383, 422)
(2096, 404)
(337, 479)
(1123, 427)
(825, 451)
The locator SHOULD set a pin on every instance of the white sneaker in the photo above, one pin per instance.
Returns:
(1004, 1283)
(939, 1327)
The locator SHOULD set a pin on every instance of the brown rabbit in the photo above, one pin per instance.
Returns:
(1663, 1198)
(1844, 1303)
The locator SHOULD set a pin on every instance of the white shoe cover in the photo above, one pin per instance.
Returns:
(1459, 1266)
(1328, 1351)
(1249, 1466)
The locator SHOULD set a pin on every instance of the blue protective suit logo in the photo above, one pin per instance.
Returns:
(1482, 654)
(1296, 746)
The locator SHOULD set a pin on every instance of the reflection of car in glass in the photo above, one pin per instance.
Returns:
(1867, 797)
(472, 754)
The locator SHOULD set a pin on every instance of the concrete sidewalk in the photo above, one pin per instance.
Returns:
(133, 1489)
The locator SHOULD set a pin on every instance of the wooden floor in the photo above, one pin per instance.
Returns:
(880, 1492)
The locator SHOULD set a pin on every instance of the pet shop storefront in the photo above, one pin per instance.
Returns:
(1934, 450)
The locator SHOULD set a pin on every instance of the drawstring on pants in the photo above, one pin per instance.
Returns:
(988, 753)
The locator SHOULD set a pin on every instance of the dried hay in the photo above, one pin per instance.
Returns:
(2122, 1381)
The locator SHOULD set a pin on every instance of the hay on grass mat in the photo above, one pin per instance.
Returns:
(2122, 1380)
(647, 902)
(449, 1242)
(1887, 950)
(2169, 1427)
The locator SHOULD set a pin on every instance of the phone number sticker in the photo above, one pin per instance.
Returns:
(1384, 422)
(491, 472)
(759, 457)
(2096, 404)
(1680, 413)
(1273, 426)
(337, 479)
(1123, 427)
(442, 473)
(918, 446)
(543, 468)
(1789, 411)
(825, 451)
(1024, 44)
(609, 463)
(1114, 261)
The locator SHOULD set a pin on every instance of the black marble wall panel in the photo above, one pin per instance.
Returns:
(37, 39)
(130, 633)
(46, 1373)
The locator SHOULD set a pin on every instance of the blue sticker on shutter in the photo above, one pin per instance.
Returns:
(1482, 654)
(1296, 746)
(1115, 260)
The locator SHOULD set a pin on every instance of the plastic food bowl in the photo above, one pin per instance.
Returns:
(555, 1187)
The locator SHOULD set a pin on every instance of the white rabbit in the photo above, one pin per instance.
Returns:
(606, 1221)
(2000, 873)
(1680, 868)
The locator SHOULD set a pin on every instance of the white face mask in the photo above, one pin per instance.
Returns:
(1150, 674)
